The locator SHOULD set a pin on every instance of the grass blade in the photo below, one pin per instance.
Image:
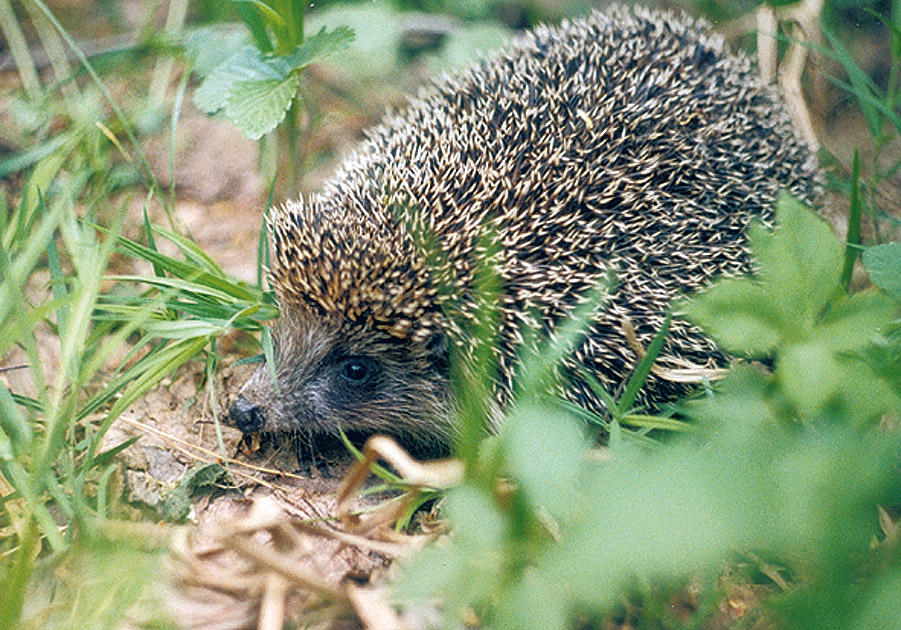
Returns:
(640, 374)
(860, 80)
(183, 270)
(852, 245)
(164, 363)
(120, 116)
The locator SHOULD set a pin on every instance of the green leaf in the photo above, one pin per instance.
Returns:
(176, 505)
(881, 606)
(256, 89)
(248, 64)
(893, 29)
(204, 477)
(544, 447)
(867, 394)
(538, 371)
(854, 322)
(192, 251)
(800, 263)
(152, 372)
(184, 328)
(883, 264)
(654, 422)
(185, 270)
(536, 602)
(643, 369)
(379, 31)
(738, 314)
(257, 107)
(23, 159)
(105, 457)
(810, 374)
(319, 46)
(13, 423)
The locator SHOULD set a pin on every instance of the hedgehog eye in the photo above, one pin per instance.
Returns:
(357, 370)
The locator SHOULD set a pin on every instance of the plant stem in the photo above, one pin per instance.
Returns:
(175, 19)
(292, 137)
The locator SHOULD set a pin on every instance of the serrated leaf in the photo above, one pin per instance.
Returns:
(204, 477)
(883, 264)
(319, 46)
(257, 107)
(176, 505)
(854, 322)
(738, 314)
(248, 64)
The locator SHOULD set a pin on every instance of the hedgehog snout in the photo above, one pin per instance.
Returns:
(256, 407)
(246, 415)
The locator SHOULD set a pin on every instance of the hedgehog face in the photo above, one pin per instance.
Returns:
(338, 374)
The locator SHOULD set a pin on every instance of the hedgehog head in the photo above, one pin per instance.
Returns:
(359, 342)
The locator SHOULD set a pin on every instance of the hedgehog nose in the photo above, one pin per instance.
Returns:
(247, 416)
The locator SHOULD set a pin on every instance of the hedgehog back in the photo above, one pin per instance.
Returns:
(628, 142)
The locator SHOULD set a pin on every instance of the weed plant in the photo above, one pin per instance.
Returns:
(785, 467)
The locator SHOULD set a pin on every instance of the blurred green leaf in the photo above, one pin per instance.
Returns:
(854, 322)
(810, 374)
(378, 30)
(799, 264)
(738, 314)
(471, 571)
(883, 264)
(545, 451)
(12, 422)
(270, 16)
(255, 23)
(881, 605)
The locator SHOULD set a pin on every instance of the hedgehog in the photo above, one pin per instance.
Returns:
(628, 144)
